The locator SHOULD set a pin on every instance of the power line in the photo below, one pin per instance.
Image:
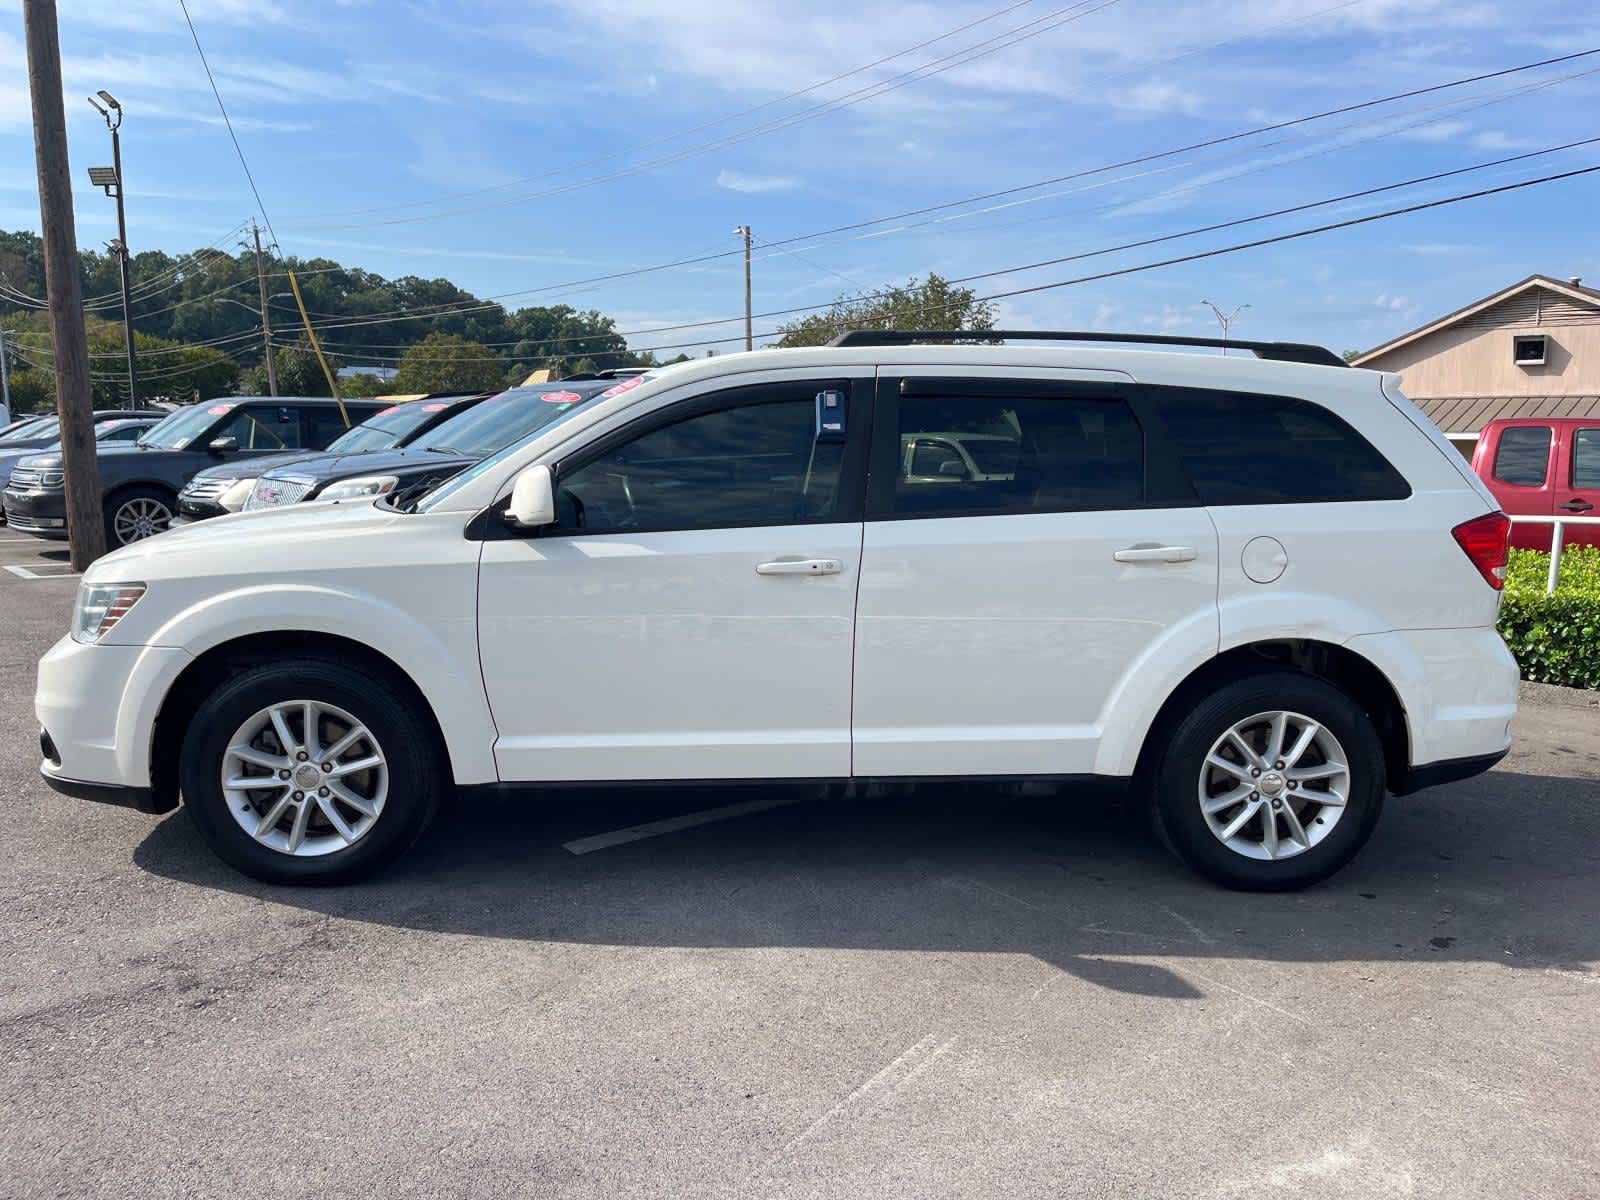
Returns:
(464, 308)
(938, 66)
(668, 137)
(226, 120)
(1345, 198)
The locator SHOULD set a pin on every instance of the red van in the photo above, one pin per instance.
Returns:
(1543, 467)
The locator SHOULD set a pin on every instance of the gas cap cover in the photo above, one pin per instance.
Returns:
(1264, 559)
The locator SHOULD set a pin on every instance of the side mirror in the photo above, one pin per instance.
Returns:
(533, 499)
(223, 445)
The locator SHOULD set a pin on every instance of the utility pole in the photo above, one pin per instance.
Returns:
(69, 346)
(749, 337)
(99, 177)
(266, 316)
(1225, 321)
(5, 377)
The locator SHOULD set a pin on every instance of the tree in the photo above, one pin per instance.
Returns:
(32, 392)
(299, 373)
(364, 385)
(447, 362)
(168, 369)
(930, 304)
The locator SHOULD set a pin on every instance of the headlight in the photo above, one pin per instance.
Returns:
(233, 498)
(361, 487)
(100, 606)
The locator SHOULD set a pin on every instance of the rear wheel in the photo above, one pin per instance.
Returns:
(1273, 782)
(134, 514)
(310, 772)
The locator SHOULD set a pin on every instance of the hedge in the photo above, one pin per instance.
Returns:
(1556, 638)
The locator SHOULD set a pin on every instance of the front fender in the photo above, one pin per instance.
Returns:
(440, 656)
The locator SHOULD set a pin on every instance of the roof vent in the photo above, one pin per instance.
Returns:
(1575, 280)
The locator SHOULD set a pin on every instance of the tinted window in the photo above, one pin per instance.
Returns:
(323, 425)
(504, 419)
(262, 427)
(1240, 448)
(183, 425)
(1523, 455)
(1014, 454)
(1586, 459)
(120, 431)
(758, 464)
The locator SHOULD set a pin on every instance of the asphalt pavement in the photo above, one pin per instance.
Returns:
(961, 991)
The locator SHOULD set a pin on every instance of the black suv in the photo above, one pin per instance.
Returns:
(223, 489)
(424, 462)
(140, 483)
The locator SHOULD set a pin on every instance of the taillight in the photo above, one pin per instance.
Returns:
(1486, 540)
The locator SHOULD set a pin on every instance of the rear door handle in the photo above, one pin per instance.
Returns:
(1576, 505)
(800, 566)
(1144, 553)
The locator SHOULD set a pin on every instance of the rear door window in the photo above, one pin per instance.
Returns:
(1245, 448)
(262, 427)
(1586, 459)
(1523, 456)
(975, 448)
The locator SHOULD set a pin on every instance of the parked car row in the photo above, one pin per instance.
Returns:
(209, 460)
(1259, 593)
(30, 436)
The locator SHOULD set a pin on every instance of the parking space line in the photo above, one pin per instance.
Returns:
(28, 573)
(637, 833)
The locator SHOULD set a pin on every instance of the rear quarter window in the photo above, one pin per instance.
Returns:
(1244, 448)
(1522, 458)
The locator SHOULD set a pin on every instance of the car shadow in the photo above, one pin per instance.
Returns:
(1498, 869)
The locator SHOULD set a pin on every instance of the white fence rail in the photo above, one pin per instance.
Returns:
(1558, 541)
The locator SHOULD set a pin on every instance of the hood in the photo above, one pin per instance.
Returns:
(278, 542)
(251, 468)
(328, 468)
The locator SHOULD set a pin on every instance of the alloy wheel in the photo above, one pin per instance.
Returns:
(304, 778)
(139, 518)
(1274, 785)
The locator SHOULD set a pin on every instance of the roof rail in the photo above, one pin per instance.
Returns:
(1296, 352)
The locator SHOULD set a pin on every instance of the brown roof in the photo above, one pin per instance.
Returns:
(1560, 286)
(1469, 414)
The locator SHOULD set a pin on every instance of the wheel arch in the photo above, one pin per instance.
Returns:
(1354, 674)
(203, 674)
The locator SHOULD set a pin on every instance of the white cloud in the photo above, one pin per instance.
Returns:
(739, 181)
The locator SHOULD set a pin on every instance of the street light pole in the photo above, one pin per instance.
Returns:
(114, 123)
(1225, 321)
(749, 337)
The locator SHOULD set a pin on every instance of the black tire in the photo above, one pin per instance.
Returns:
(417, 774)
(145, 495)
(1188, 739)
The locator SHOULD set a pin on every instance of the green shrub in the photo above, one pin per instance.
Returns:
(1556, 638)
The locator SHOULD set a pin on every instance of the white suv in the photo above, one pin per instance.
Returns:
(1262, 589)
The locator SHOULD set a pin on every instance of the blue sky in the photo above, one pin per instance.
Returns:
(379, 113)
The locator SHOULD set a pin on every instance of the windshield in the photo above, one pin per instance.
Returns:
(503, 419)
(547, 411)
(387, 428)
(29, 430)
(181, 427)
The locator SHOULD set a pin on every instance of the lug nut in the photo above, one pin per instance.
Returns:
(1277, 766)
(1293, 783)
(302, 756)
(1277, 804)
(1255, 795)
(327, 768)
(299, 796)
(322, 791)
(1255, 770)
(283, 774)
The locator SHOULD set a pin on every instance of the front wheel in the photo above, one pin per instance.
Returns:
(1272, 782)
(310, 772)
(138, 513)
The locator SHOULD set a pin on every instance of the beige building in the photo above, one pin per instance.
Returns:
(1530, 350)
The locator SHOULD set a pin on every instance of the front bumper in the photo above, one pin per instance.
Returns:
(98, 706)
(43, 514)
(190, 511)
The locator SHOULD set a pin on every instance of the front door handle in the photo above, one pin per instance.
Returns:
(800, 566)
(1146, 553)
(1576, 505)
